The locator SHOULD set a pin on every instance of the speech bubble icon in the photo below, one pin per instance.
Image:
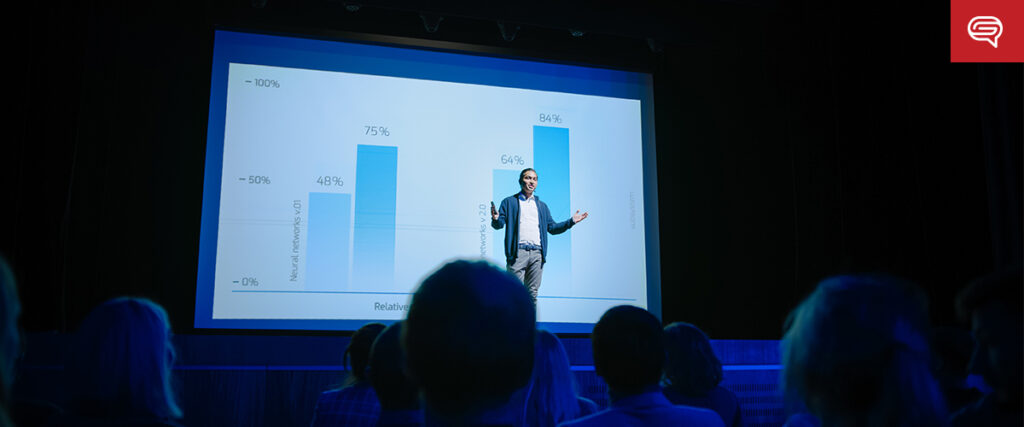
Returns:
(985, 28)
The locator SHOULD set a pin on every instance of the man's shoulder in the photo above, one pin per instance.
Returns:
(676, 414)
(352, 392)
(688, 415)
(699, 416)
(329, 395)
(605, 417)
(985, 411)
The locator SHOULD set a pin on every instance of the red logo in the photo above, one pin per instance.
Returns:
(986, 31)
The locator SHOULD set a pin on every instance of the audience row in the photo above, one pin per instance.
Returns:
(858, 351)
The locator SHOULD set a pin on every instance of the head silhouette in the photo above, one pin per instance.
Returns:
(469, 338)
(629, 349)
(10, 335)
(691, 367)
(991, 305)
(121, 361)
(856, 351)
(357, 354)
(552, 398)
(386, 372)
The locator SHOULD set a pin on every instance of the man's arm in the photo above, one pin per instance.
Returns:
(559, 227)
(556, 227)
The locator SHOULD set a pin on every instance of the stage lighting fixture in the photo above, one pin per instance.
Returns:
(508, 31)
(431, 21)
(351, 7)
(576, 33)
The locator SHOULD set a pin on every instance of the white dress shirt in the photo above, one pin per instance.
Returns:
(529, 223)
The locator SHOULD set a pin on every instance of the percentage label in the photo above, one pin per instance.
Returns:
(510, 159)
(328, 181)
(259, 179)
(266, 83)
(377, 131)
(250, 282)
(550, 118)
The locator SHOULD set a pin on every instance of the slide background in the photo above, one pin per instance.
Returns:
(444, 132)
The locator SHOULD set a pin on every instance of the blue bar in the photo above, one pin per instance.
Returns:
(551, 160)
(505, 183)
(373, 245)
(330, 216)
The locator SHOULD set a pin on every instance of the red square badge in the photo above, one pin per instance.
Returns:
(986, 31)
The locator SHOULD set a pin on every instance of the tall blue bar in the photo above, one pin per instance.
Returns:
(505, 183)
(329, 219)
(551, 160)
(373, 244)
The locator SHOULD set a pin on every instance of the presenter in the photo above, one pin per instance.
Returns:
(526, 237)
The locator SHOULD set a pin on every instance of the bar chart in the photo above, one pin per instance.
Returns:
(330, 221)
(551, 162)
(341, 192)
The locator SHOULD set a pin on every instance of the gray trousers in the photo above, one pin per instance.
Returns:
(528, 267)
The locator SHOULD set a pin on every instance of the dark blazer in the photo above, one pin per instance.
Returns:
(509, 213)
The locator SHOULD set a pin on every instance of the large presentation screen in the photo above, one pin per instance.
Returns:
(339, 174)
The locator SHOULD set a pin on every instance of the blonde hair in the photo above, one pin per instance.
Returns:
(122, 361)
(856, 350)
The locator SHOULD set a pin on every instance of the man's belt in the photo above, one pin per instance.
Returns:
(529, 247)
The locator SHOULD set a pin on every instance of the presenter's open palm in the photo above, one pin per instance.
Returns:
(576, 217)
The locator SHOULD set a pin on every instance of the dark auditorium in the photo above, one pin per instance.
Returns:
(395, 213)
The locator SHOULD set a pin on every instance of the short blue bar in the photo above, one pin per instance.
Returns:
(329, 221)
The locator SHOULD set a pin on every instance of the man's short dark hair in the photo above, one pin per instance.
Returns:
(469, 338)
(523, 174)
(629, 349)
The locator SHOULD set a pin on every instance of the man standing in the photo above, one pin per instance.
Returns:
(526, 238)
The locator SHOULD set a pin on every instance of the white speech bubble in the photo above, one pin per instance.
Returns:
(985, 28)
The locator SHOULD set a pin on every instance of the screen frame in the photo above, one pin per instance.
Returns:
(202, 315)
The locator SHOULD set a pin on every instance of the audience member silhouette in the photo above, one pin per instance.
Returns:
(951, 355)
(13, 409)
(693, 372)
(119, 369)
(856, 353)
(10, 338)
(469, 341)
(552, 397)
(398, 396)
(354, 403)
(992, 305)
(629, 353)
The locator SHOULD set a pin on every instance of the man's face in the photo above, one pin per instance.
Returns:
(997, 350)
(529, 182)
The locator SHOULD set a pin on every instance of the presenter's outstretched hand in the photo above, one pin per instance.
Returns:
(494, 212)
(576, 217)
